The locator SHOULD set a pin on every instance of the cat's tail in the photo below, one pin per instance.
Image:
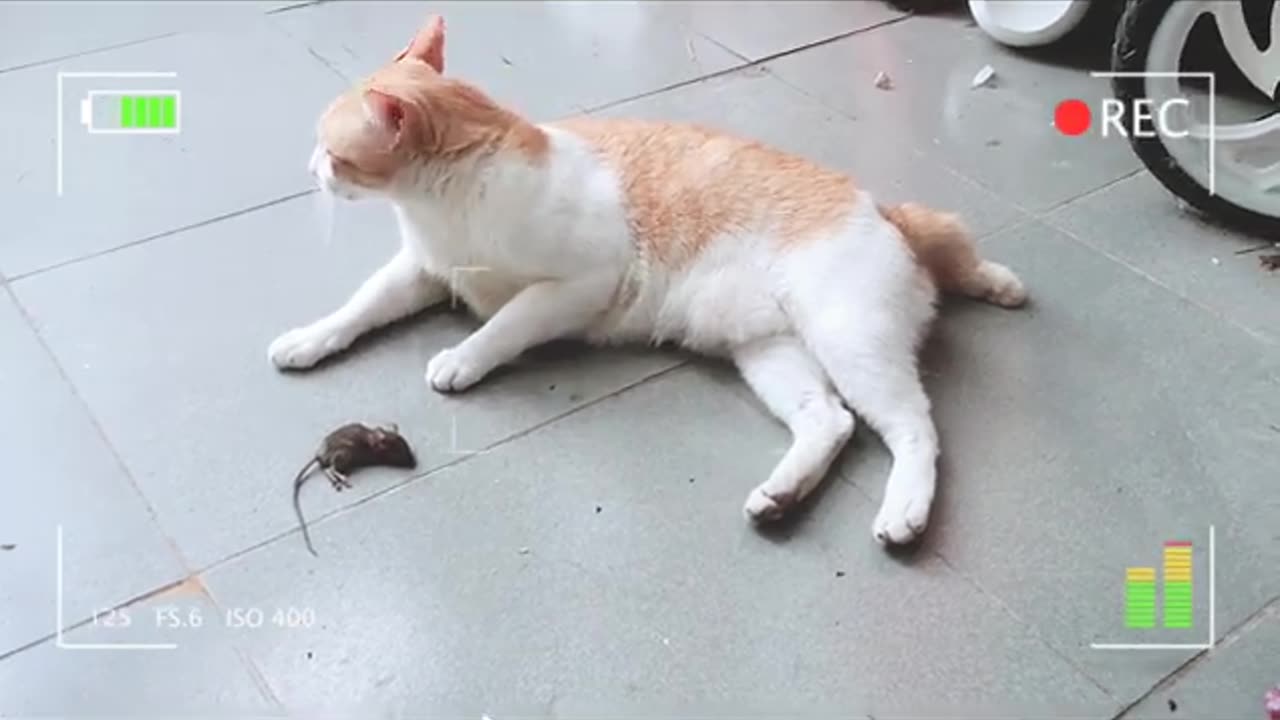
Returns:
(942, 245)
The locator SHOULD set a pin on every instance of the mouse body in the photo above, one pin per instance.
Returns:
(347, 449)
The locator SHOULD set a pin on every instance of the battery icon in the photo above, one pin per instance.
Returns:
(132, 112)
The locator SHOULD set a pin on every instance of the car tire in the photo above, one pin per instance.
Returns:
(1137, 27)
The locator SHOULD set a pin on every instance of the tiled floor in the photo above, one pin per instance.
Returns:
(592, 559)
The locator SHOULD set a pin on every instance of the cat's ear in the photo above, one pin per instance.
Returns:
(428, 45)
(385, 114)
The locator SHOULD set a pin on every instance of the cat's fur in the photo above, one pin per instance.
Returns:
(624, 231)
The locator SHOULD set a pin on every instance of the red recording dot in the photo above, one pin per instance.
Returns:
(1072, 117)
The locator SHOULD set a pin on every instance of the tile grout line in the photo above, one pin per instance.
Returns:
(200, 572)
(98, 428)
(92, 51)
(294, 6)
(71, 626)
(1087, 194)
(1030, 628)
(1264, 340)
(320, 58)
(147, 39)
(311, 51)
(1269, 609)
(436, 470)
(256, 674)
(749, 64)
(163, 234)
(1025, 212)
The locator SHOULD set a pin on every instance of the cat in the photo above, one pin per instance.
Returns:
(627, 231)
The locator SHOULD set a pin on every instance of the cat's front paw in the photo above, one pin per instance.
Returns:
(304, 347)
(453, 370)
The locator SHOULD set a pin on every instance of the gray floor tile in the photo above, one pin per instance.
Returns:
(36, 32)
(757, 105)
(602, 563)
(1230, 682)
(598, 563)
(59, 472)
(1002, 137)
(1139, 222)
(1081, 433)
(521, 52)
(203, 675)
(242, 142)
(167, 343)
(759, 29)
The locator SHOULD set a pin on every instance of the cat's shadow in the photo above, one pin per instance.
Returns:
(864, 457)
(401, 332)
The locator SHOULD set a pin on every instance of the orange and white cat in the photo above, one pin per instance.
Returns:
(618, 231)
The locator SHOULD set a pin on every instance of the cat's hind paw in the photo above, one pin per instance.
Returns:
(763, 507)
(902, 518)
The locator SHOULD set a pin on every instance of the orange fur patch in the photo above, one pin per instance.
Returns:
(440, 120)
(686, 185)
(939, 241)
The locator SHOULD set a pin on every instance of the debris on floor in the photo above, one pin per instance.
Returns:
(839, 573)
(7, 547)
(1173, 706)
(598, 509)
(524, 551)
(1270, 261)
(506, 61)
(883, 81)
(1215, 261)
(994, 143)
(986, 77)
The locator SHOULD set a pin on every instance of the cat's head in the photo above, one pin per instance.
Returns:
(408, 124)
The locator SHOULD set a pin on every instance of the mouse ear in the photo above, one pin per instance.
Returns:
(394, 428)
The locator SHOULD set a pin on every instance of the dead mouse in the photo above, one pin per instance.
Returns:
(347, 449)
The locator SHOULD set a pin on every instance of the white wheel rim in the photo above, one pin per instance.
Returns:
(1028, 24)
(1246, 155)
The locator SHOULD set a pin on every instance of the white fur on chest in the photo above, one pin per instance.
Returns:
(508, 224)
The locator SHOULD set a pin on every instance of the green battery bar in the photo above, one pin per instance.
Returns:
(1140, 597)
(148, 111)
(132, 112)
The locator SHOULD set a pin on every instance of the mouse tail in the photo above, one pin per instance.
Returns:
(302, 474)
(297, 504)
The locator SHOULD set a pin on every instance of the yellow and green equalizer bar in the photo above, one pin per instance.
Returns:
(1140, 590)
